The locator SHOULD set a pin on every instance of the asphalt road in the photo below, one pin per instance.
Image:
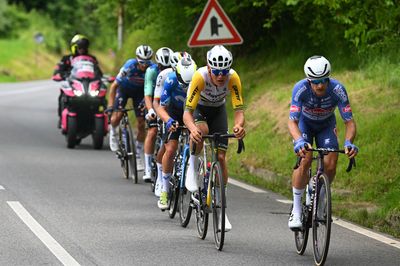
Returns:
(92, 216)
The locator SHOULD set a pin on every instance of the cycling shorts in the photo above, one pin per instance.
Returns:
(216, 119)
(122, 96)
(323, 132)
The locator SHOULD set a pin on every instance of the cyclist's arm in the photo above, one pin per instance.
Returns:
(235, 88)
(112, 93)
(149, 78)
(192, 99)
(351, 130)
(295, 112)
(294, 130)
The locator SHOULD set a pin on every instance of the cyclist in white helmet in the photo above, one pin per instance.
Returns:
(163, 56)
(314, 100)
(130, 84)
(176, 56)
(205, 111)
(171, 112)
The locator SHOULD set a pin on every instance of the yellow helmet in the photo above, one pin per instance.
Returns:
(79, 41)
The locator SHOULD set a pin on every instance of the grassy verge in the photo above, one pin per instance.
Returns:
(369, 195)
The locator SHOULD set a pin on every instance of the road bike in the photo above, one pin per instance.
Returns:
(210, 196)
(157, 146)
(126, 152)
(317, 213)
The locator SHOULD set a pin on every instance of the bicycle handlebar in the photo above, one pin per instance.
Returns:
(352, 161)
(217, 136)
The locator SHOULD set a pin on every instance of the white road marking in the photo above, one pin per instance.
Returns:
(360, 230)
(245, 186)
(285, 201)
(61, 254)
(24, 91)
(363, 231)
(2, 188)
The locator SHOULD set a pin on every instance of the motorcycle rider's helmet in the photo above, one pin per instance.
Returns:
(185, 70)
(163, 56)
(219, 58)
(317, 67)
(144, 52)
(79, 41)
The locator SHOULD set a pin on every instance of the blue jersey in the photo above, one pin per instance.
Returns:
(306, 105)
(130, 76)
(173, 94)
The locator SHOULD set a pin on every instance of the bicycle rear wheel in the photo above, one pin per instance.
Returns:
(218, 205)
(131, 152)
(321, 223)
(122, 153)
(185, 208)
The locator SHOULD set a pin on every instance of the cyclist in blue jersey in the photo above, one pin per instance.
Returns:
(173, 97)
(130, 84)
(314, 100)
(163, 56)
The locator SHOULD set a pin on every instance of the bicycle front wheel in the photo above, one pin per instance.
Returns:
(301, 237)
(185, 208)
(123, 151)
(174, 198)
(131, 150)
(322, 219)
(202, 216)
(218, 205)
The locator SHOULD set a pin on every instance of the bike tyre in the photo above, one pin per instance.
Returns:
(218, 208)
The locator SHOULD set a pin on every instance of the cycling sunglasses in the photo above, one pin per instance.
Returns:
(218, 72)
(143, 62)
(319, 81)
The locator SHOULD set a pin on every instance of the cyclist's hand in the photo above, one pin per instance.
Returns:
(151, 115)
(239, 132)
(350, 149)
(300, 146)
(171, 125)
(109, 110)
(195, 136)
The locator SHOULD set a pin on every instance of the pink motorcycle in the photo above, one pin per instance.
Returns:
(83, 103)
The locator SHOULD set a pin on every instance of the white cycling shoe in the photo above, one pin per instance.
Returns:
(113, 142)
(157, 189)
(295, 222)
(228, 225)
(191, 180)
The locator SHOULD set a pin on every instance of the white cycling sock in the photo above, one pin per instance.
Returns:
(165, 181)
(113, 130)
(193, 159)
(159, 170)
(297, 196)
(147, 163)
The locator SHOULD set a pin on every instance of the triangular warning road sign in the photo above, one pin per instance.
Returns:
(214, 27)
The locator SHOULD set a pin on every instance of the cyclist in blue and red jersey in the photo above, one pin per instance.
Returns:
(130, 84)
(314, 100)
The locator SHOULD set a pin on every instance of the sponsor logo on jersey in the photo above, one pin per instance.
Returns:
(236, 90)
(295, 109)
(338, 90)
(193, 94)
(347, 109)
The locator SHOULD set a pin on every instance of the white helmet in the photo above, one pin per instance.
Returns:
(185, 70)
(177, 56)
(219, 58)
(163, 56)
(317, 67)
(144, 52)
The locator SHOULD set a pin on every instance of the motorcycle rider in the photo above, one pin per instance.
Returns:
(79, 46)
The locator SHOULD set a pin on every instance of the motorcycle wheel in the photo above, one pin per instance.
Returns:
(72, 127)
(98, 133)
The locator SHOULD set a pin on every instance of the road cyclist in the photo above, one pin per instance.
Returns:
(162, 58)
(205, 111)
(314, 100)
(171, 110)
(130, 84)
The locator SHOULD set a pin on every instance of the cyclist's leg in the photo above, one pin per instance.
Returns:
(119, 103)
(327, 138)
(191, 178)
(149, 147)
(138, 104)
(300, 179)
